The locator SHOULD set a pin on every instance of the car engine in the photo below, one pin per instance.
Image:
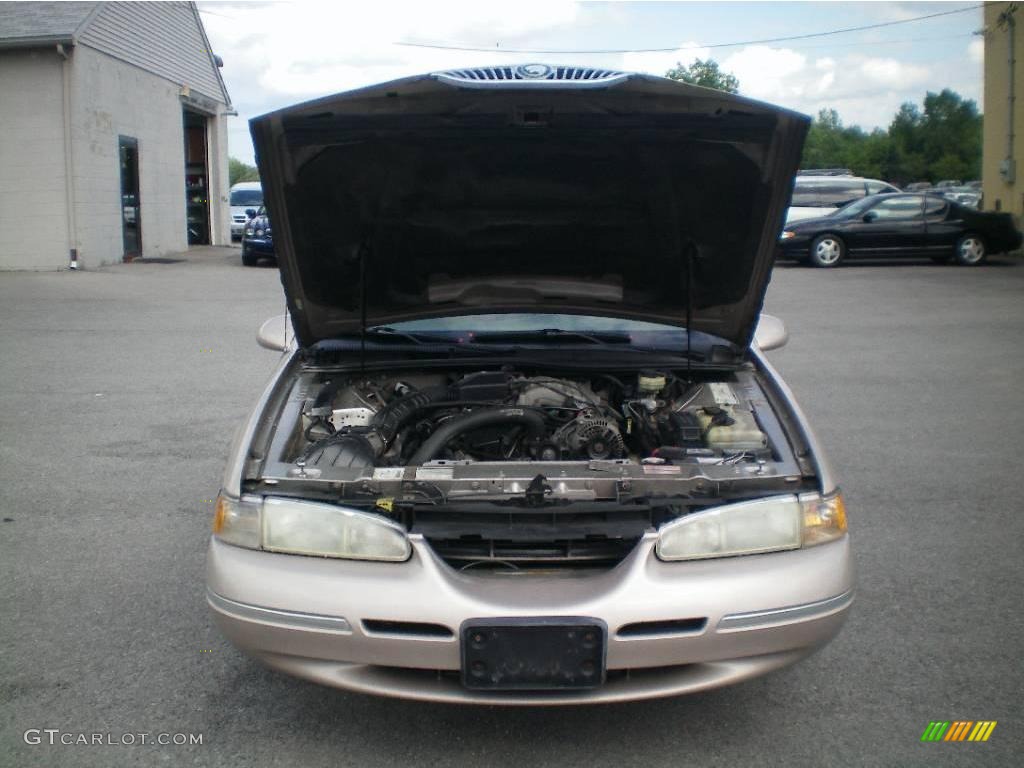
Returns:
(409, 420)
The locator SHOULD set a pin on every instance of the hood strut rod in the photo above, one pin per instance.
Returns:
(364, 249)
(690, 247)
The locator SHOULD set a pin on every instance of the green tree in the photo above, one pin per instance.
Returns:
(873, 156)
(239, 171)
(905, 128)
(829, 144)
(951, 136)
(940, 141)
(706, 74)
(906, 134)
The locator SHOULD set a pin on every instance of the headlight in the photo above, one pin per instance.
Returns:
(259, 233)
(787, 235)
(308, 528)
(752, 527)
(248, 231)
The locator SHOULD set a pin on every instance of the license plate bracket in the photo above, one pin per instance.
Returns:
(543, 653)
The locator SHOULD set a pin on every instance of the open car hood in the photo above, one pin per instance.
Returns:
(527, 189)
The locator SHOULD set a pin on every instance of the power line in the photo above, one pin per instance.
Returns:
(846, 30)
(861, 43)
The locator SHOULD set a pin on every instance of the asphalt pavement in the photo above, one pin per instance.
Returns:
(120, 390)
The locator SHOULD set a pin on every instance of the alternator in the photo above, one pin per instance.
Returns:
(591, 436)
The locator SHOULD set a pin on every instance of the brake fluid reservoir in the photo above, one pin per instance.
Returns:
(729, 425)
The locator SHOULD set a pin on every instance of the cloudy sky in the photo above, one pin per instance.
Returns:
(281, 53)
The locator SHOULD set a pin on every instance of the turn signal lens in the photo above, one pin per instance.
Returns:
(824, 518)
(237, 521)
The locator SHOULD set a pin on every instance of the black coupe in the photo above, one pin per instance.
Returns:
(897, 225)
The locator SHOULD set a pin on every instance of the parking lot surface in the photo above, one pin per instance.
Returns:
(120, 390)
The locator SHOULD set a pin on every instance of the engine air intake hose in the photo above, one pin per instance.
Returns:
(391, 418)
(532, 420)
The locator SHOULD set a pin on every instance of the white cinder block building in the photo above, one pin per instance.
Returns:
(113, 133)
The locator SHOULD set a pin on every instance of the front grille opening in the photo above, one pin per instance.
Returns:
(508, 538)
(611, 676)
(406, 628)
(667, 627)
(478, 553)
(532, 72)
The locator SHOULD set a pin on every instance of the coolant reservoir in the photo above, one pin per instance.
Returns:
(742, 434)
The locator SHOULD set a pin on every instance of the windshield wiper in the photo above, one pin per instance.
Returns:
(425, 342)
(601, 338)
(617, 341)
(385, 332)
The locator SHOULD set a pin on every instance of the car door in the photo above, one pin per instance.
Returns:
(893, 226)
(943, 225)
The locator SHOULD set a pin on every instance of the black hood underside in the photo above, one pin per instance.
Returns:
(643, 201)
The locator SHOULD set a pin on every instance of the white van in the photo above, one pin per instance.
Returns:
(245, 196)
(815, 196)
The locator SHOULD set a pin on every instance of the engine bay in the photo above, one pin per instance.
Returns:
(400, 419)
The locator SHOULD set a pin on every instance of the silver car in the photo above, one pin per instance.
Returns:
(246, 199)
(523, 445)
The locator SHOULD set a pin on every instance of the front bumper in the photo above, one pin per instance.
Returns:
(305, 616)
(258, 247)
(798, 247)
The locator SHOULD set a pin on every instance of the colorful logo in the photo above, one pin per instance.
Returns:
(958, 730)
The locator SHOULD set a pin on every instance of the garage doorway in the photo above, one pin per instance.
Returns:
(131, 219)
(197, 180)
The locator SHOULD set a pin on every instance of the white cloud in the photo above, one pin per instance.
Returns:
(823, 83)
(889, 11)
(976, 50)
(891, 73)
(661, 62)
(768, 73)
(276, 54)
(281, 53)
(315, 48)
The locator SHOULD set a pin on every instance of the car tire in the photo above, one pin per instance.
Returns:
(970, 250)
(827, 250)
(249, 259)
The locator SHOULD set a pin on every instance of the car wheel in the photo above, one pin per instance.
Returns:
(249, 259)
(827, 251)
(970, 250)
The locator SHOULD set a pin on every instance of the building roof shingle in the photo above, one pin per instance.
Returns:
(166, 39)
(41, 22)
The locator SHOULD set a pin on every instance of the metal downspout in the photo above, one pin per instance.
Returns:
(1011, 28)
(69, 181)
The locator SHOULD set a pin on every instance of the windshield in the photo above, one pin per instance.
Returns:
(858, 206)
(252, 198)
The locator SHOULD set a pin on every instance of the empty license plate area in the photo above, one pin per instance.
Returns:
(533, 653)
